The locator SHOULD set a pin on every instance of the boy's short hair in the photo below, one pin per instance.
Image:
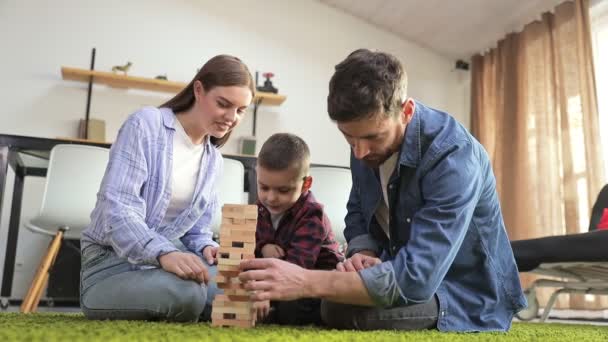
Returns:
(284, 150)
(366, 83)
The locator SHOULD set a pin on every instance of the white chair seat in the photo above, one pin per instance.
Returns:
(73, 179)
(331, 187)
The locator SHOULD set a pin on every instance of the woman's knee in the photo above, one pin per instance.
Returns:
(186, 301)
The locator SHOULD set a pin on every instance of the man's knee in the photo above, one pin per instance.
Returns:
(337, 316)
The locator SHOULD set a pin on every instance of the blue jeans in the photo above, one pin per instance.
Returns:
(353, 317)
(113, 288)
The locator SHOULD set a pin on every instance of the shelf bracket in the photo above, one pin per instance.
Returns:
(88, 110)
(256, 104)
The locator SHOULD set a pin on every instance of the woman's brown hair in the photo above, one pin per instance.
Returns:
(219, 71)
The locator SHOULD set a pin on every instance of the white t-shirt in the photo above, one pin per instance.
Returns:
(186, 165)
(276, 219)
(382, 213)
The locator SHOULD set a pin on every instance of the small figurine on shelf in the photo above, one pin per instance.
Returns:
(161, 77)
(268, 87)
(124, 68)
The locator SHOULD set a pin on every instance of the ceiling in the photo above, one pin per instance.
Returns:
(452, 28)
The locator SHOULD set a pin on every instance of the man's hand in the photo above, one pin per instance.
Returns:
(358, 262)
(210, 254)
(185, 265)
(272, 251)
(262, 309)
(274, 279)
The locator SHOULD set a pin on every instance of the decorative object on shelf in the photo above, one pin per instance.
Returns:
(95, 129)
(248, 145)
(161, 77)
(268, 87)
(124, 68)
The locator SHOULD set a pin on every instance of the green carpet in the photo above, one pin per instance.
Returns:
(74, 327)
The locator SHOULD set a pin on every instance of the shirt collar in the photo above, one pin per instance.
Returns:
(411, 154)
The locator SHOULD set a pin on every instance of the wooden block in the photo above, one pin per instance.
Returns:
(234, 298)
(229, 238)
(235, 256)
(234, 316)
(236, 292)
(229, 262)
(235, 230)
(245, 247)
(229, 274)
(230, 250)
(232, 257)
(228, 268)
(220, 278)
(245, 227)
(233, 323)
(240, 211)
(230, 286)
(224, 305)
(236, 310)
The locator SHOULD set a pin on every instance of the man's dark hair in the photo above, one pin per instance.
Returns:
(366, 83)
(284, 150)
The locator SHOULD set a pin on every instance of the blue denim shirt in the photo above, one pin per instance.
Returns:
(447, 235)
(136, 190)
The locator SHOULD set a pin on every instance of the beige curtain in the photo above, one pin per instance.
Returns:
(533, 106)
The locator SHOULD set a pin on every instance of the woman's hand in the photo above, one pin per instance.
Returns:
(210, 254)
(185, 265)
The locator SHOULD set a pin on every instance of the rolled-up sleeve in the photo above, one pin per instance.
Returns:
(451, 190)
(123, 208)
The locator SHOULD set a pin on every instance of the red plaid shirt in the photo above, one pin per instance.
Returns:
(304, 233)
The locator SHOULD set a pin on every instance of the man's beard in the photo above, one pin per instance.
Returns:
(375, 161)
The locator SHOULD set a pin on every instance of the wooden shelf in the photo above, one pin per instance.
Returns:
(124, 81)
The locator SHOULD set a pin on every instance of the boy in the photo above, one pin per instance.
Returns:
(291, 223)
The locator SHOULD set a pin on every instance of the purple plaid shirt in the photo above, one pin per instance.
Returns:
(136, 190)
(304, 233)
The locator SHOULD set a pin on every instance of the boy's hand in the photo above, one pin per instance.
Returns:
(262, 309)
(210, 254)
(185, 265)
(272, 251)
(358, 262)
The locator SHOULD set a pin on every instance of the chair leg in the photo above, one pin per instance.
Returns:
(30, 302)
(45, 280)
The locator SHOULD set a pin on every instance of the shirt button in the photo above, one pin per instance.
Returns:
(408, 220)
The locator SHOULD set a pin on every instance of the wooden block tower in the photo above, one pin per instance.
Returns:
(237, 242)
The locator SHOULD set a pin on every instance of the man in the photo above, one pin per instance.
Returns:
(427, 246)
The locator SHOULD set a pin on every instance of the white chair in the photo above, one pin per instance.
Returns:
(72, 181)
(231, 190)
(331, 187)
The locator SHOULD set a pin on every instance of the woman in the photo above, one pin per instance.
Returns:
(148, 252)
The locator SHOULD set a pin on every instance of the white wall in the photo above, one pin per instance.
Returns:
(300, 41)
